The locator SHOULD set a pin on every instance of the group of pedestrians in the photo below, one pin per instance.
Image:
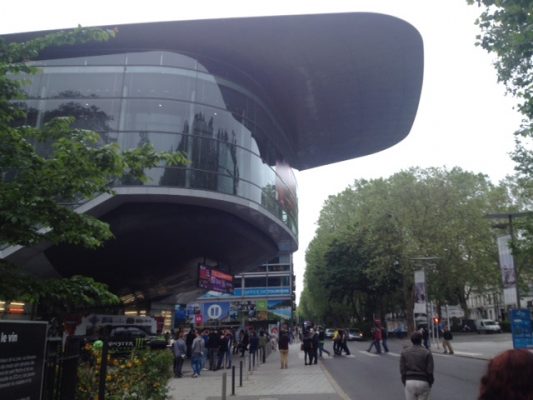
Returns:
(214, 349)
(207, 350)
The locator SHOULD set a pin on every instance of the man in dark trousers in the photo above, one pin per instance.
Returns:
(416, 369)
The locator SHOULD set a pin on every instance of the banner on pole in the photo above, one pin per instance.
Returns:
(420, 292)
(507, 270)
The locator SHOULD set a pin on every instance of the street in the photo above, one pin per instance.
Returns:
(366, 375)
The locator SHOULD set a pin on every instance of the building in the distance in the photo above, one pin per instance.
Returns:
(246, 100)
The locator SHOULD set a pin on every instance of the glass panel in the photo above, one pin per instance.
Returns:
(145, 58)
(179, 60)
(160, 85)
(255, 282)
(86, 83)
(156, 115)
(96, 115)
(108, 59)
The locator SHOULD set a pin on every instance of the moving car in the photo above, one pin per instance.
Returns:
(329, 332)
(354, 334)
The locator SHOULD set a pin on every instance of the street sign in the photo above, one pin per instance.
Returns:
(22, 358)
(522, 330)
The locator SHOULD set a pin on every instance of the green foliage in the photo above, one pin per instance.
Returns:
(45, 171)
(143, 375)
(360, 263)
(54, 298)
(507, 32)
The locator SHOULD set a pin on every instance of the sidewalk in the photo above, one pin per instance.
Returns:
(267, 382)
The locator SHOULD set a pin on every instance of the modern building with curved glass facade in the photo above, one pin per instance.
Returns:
(245, 100)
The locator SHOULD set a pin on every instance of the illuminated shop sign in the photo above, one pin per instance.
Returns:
(211, 279)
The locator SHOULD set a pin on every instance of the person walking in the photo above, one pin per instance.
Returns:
(321, 341)
(222, 349)
(384, 335)
(188, 340)
(245, 339)
(229, 351)
(197, 353)
(307, 345)
(314, 350)
(446, 339)
(213, 344)
(416, 369)
(337, 342)
(283, 346)
(344, 342)
(376, 339)
(254, 344)
(179, 348)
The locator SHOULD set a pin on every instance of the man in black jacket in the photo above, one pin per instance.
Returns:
(416, 369)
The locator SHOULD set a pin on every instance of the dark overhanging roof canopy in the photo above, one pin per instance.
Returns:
(341, 85)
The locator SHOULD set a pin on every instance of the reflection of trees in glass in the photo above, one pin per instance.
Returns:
(268, 199)
(176, 175)
(203, 157)
(72, 94)
(86, 117)
(227, 157)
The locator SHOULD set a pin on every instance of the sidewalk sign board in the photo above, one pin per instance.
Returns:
(522, 330)
(22, 359)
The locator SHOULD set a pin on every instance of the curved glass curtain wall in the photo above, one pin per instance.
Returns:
(170, 101)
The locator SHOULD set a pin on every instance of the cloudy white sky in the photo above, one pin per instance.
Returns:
(464, 118)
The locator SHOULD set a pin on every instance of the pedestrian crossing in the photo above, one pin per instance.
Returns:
(368, 354)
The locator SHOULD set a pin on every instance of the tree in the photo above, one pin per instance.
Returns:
(45, 171)
(368, 236)
(506, 32)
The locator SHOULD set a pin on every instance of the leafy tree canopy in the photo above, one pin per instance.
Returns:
(45, 171)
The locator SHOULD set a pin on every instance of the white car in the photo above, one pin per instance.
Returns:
(487, 326)
(329, 332)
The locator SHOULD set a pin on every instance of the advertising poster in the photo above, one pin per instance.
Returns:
(216, 311)
(521, 328)
(507, 270)
(420, 292)
(22, 359)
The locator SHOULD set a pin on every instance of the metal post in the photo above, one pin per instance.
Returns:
(103, 370)
(253, 360)
(224, 379)
(240, 373)
(233, 380)
(249, 362)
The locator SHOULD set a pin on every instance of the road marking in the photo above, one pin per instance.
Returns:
(366, 353)
(393, 354)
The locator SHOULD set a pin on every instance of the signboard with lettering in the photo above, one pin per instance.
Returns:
(22, 358)
(212, 279)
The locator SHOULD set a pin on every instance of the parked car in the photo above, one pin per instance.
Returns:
(355, 334)
(329, 332)
(487, 326)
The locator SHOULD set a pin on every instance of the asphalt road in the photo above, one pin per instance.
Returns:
(366, 375)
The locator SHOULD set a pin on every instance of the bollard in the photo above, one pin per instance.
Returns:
(264, 355)
(253, 361)
(249, 362)
(240, 373)
(224, 379)
(233, 380)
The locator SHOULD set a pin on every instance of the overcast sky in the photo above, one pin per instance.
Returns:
(464, 118)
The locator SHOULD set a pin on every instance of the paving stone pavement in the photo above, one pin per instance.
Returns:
(267, 382)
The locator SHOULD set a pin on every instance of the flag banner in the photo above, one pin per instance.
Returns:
(507, 270)
(420, 292)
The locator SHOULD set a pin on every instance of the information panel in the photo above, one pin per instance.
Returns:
(522, 330)
(22, 353)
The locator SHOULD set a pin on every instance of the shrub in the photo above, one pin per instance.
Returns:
(142, 375)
